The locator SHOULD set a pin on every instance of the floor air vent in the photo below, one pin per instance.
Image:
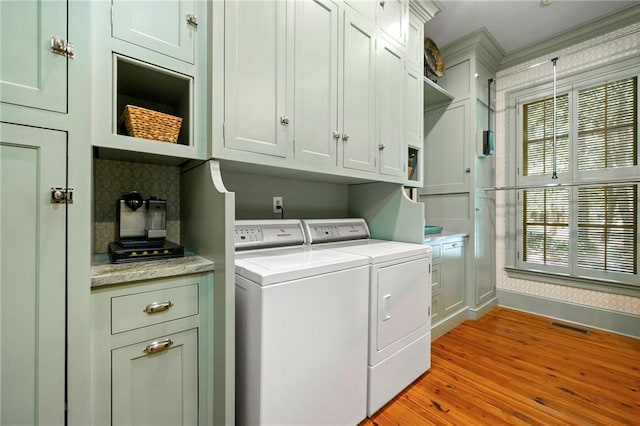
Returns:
(570, 327)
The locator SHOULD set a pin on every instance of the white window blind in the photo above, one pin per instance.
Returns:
(603, 234)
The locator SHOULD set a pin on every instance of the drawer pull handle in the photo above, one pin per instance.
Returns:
(155, 307)
(159, 346)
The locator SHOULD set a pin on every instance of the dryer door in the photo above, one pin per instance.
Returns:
(403, 300)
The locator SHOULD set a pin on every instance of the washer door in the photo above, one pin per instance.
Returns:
(403, 300)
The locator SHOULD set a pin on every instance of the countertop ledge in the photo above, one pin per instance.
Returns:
(105, 273)
(443, 236)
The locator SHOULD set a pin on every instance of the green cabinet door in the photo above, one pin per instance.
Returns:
(30, 74)
(168, 27)
(32, 276)
(156, 382)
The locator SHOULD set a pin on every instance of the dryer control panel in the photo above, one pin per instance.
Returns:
(254, 234)
(329, 230)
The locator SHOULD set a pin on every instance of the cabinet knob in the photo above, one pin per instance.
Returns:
(284, 120)
(345, 137)
(468, 170)
(381, 146)
(382, 3)
(336, 135)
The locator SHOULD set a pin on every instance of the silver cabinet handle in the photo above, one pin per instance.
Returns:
(159, 346)
(381, 146)
(382, 3)
(192, 20)
(155, 307)
(468, 170)
(60, 46)
(284, 120)
(336, 135)
(345, 137)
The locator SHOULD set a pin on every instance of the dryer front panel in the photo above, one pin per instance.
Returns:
(403, 300)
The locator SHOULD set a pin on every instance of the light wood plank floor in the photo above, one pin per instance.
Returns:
(514, 368)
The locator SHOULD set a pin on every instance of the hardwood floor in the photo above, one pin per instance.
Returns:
(514, 368)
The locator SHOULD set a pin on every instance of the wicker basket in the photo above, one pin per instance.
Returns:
(148, 124)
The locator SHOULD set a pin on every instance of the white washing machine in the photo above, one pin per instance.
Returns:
(301, 329)
(400, 304)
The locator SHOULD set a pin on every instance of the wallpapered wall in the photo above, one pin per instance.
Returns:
(609, 48)
(112, 179)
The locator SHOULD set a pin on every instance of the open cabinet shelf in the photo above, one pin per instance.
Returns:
(435, 95)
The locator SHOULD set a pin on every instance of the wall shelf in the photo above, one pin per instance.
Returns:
(434, 95)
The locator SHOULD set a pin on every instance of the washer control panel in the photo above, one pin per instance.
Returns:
(328, 230)
(254, 234)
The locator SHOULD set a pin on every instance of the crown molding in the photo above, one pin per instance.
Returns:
(587, 31)
(425, 9)
(480, 42)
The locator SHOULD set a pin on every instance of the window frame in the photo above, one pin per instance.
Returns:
(571, 275)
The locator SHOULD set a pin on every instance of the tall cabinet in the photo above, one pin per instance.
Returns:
(44, 259)
(456, 171)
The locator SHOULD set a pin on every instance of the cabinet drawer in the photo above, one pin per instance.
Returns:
(436, 309)
(436, 251)
(137, 310)
(436, 283)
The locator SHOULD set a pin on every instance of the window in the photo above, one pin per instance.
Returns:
(580, 229)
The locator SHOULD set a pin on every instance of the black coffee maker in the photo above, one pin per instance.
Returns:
(142, 230)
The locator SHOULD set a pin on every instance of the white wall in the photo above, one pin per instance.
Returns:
(607, 49)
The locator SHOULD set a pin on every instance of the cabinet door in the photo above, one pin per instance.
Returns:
(415, 42)
(392, 19)
(452, 287)
(163, 27)
(365, 7)
(414, 107)
(390, 101)
(257, 78)
(32, 276)
(446, 150)
(30, 74)
(159, 388)
(316, 81)
(357, 112)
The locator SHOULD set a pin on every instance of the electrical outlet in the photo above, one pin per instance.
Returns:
(277, 204)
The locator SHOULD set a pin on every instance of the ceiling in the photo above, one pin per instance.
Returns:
(515, 24)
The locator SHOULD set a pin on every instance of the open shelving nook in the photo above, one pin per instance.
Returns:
(159, 89)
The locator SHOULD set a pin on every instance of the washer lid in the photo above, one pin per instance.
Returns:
(379, 251)
(272, 266)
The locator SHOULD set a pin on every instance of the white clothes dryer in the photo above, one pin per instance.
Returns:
(301, 329)
(400, 303)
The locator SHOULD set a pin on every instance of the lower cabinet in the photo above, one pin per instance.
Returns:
(447, 279)
(151, 357)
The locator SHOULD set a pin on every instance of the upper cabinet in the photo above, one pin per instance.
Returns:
(316, 82)
(170, 31)
(356, 107)
(258, 62)
(334, 87)
(392, 18)
(155, 60)
(319, 86)
(390, 110)
(35, 52)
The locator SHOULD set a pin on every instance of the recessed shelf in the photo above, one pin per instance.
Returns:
(435, 95)
(144, 85)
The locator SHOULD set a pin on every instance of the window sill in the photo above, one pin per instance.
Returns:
(578, 282)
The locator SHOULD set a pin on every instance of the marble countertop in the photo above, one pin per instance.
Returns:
(443, 236)
(105, 273)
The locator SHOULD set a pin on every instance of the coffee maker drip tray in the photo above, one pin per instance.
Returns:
(120, 254)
